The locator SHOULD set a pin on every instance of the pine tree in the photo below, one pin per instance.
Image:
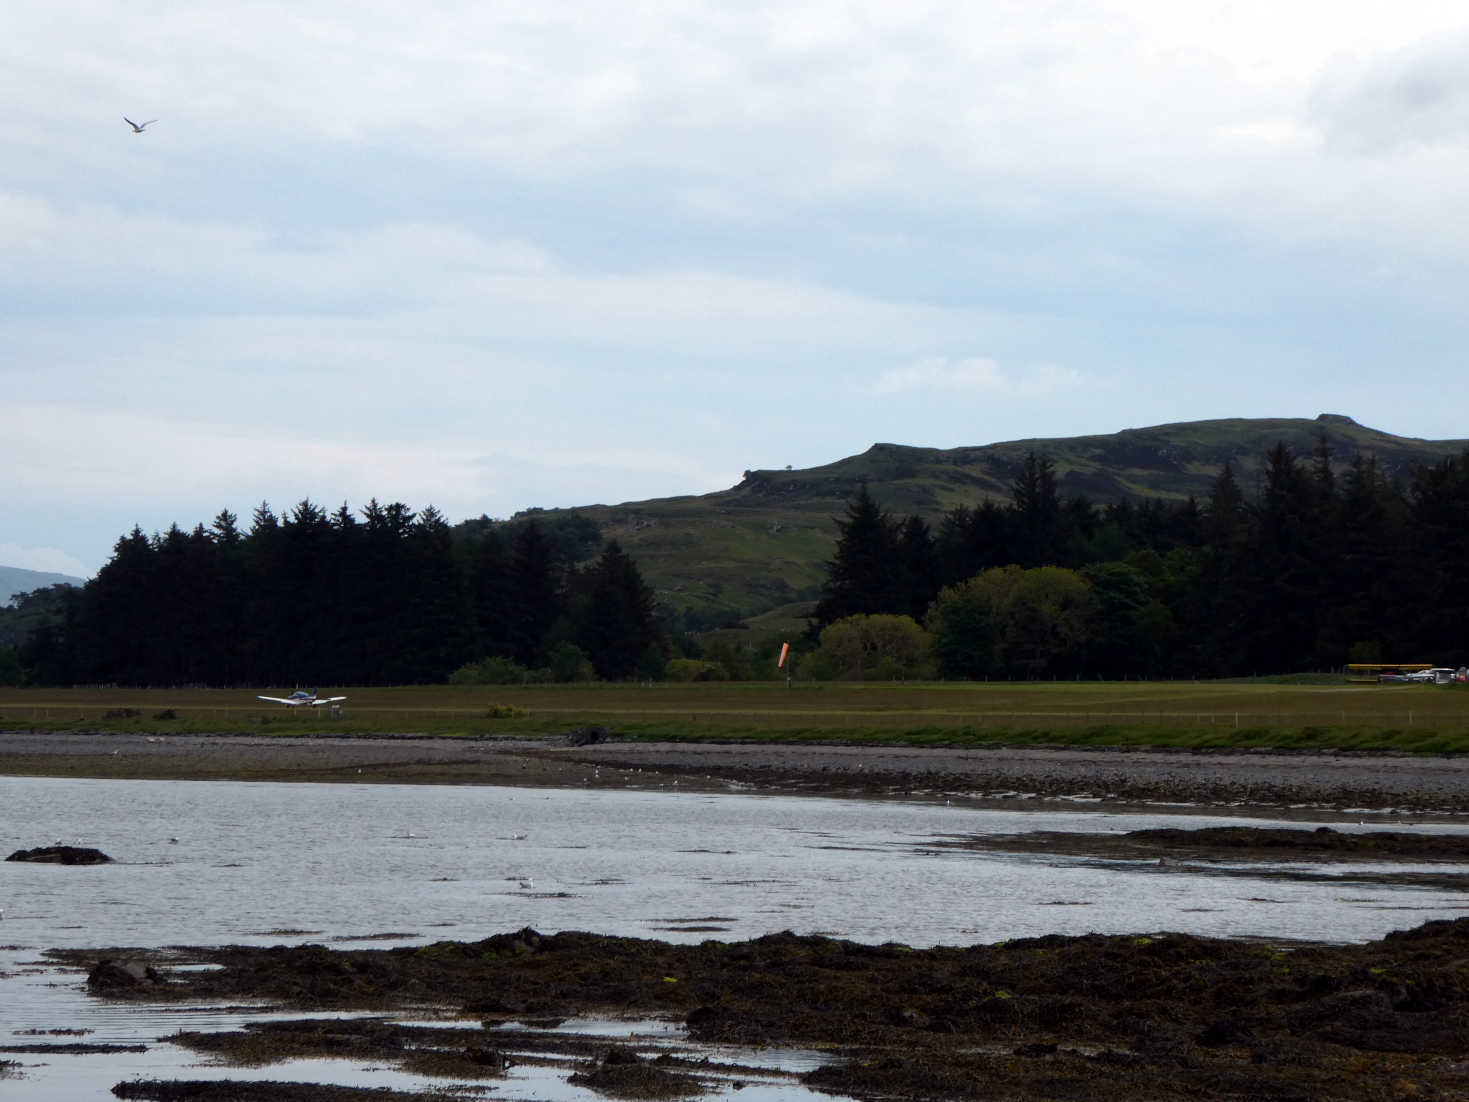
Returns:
(917, 560)
(1369, 580)
(864, 577)
(619, 623)
(1281, 578)
(439, 634)
(535, 594)
(1037, 510)
(1221, 622)
(490, 592)
(1439, 509)
(387, 577)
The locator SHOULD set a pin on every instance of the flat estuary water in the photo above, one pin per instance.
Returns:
(355, 866)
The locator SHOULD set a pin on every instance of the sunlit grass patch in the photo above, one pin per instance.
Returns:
(1197, 715)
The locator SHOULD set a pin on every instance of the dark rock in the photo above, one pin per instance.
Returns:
(1361, 1007)
(487, 1057)
(1039, 1048)
(585, 736)
(1226, 1033)
(624, 1074)
(1114, 1058)
(907, 1016)
(61, 855)
(114, 975)
(72, 1048)
(267, 1090)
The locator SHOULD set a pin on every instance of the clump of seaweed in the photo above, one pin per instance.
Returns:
(1162, 1015)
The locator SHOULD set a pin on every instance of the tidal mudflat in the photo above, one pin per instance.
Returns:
(678, 929)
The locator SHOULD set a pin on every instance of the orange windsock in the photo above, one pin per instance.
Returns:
(783, 648)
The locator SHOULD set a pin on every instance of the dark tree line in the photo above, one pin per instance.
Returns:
(389, 596)
(1317, 565)
(1310, 570)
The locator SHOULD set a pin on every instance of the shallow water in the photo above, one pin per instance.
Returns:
(218, 862)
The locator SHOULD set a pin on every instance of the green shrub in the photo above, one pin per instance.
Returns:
(694, 669)
(493, 670)
(568, 662)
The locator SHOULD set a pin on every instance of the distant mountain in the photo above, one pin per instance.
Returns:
(14, 580)
(761, 546)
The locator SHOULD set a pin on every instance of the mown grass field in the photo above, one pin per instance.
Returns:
(1406, 718)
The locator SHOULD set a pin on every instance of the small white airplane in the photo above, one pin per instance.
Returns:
(138, 127)
(301, 697)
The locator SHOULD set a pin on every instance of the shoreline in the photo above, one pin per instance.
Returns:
(1111, 1018)
(1106, 1017)
(1306, 782)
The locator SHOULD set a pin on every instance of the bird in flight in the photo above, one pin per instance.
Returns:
(138, 127)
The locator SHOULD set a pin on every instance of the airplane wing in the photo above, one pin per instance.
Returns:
(326, 700)
(278, 700)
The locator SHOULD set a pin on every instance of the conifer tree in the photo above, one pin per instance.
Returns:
(490, 592)
(439, 634)
(619, 622)
(918, 566)
(864, 576)
(535, 589)
(1439, 510)
(1037, 511)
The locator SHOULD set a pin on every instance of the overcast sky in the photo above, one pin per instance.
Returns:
(488, 256)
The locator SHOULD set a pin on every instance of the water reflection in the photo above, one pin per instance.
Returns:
(266, 863)
(362, 865)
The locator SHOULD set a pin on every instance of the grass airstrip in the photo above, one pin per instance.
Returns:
(1323, 714)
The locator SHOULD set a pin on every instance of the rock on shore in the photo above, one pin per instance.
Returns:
(61, 855)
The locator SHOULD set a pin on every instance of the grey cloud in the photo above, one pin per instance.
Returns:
(1416, 97)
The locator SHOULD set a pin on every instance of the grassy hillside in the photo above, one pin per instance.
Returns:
(762, 545)
(14, 580)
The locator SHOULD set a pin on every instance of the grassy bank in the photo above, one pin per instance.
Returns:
(1406, 718)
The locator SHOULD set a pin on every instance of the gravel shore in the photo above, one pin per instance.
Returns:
(1343, 782)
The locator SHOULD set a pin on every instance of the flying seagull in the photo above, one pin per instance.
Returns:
(138, 127)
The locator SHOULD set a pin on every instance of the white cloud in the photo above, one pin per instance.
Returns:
(490, 255)
(185, 473)
(976, 375)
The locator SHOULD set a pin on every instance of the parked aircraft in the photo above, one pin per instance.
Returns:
(300, 697)
(1434, 675)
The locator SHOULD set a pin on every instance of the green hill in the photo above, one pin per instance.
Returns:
(14, 580)
(758, 549)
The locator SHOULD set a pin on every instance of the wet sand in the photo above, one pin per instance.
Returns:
(1344, 783)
